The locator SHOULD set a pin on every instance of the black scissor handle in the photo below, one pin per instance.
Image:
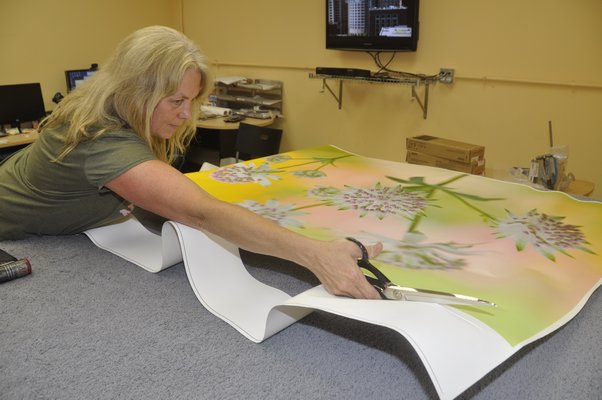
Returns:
(381, 279)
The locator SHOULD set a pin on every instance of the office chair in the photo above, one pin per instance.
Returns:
(256, 141)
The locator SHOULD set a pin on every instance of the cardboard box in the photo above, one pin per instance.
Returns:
(476, 167)
(445, 148)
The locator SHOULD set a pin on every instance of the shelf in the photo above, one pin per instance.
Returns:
(246, 93)
(256, 100)
(414, 82)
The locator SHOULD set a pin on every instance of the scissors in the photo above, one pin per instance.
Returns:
(391, 291)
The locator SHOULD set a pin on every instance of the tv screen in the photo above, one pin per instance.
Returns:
(372, 25)
(21, 103)
(76, 77)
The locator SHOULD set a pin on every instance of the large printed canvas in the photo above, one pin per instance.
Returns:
(535, 254)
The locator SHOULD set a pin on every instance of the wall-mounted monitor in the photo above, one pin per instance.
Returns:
(21, 103)
(372, 25)
(76, 77)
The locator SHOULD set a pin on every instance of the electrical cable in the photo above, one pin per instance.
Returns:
(383, 69)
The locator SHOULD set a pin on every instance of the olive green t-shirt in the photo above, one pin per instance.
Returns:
(42, 197)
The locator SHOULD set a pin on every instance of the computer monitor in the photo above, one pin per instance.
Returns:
(76, 77)
(21, 103)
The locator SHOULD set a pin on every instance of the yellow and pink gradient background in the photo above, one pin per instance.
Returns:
(532, 292)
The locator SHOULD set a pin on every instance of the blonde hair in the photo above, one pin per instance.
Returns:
(146, 67)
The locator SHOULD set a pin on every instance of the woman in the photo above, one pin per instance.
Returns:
(108, 146)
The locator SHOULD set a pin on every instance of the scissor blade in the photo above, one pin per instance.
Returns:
(395, 292)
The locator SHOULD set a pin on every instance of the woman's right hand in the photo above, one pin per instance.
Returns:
(335, 265)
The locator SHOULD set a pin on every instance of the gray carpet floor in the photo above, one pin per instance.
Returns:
(89, 325)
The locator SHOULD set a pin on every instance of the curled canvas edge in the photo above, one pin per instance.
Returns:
(456, 349)
(225, 288)
(473, 348)
(214, 269)
(130, 240)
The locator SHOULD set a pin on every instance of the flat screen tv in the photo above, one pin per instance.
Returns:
(21, 103)
(372, 25)
(76, 77)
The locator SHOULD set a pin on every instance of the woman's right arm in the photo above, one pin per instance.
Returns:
(160, 188)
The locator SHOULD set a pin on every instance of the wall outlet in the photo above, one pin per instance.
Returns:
(446, 75)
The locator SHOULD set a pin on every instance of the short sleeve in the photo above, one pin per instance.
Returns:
(113, 153)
